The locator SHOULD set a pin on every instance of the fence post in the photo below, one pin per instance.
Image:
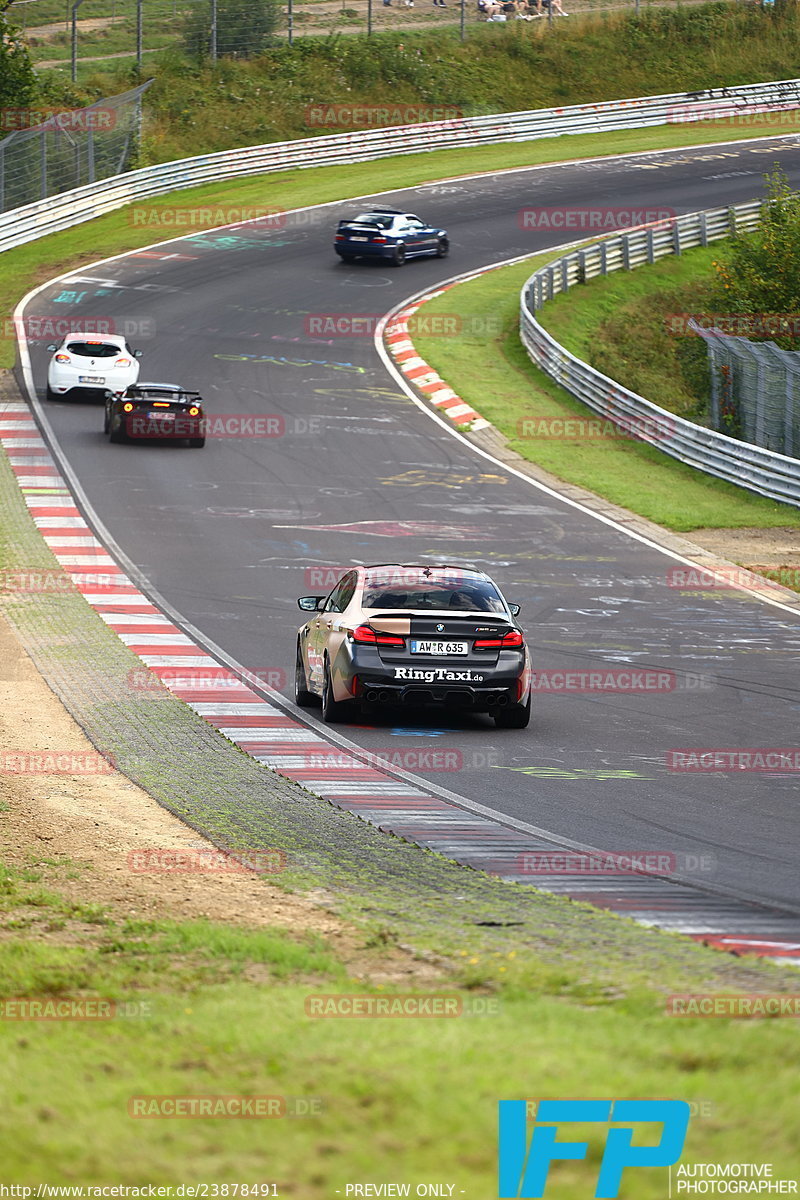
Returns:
(75, 8)
(43, 164)
(139, 34)
(2, 179)
(90, 156)
(213, 46)
(291, 22)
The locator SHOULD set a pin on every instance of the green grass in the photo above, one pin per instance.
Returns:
(620, 324)
(211, 1009)
(500, 382)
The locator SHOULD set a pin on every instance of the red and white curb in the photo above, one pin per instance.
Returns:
(360, 785)
(421, 374)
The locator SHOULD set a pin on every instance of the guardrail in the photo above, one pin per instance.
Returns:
(763, 471)
(82, 204)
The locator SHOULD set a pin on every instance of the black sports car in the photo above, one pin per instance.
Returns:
(155, 410)
(388, 233)
(395, 634)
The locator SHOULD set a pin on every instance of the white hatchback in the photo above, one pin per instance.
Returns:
(91, 362)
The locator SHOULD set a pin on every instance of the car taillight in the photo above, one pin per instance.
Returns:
(509, 641)
(193, 411)
(339, 237)
(379, 239)
(122, 362)
(366, 636)
(127, 407)
(161, 404)
(63, 358)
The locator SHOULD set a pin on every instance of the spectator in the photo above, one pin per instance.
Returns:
(550, 6)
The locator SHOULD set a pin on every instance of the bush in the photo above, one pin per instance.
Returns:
(760, 272)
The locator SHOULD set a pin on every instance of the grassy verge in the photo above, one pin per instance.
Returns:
(193, 108)
(149, 222)
(500, 382)
(219, 1009)
(621, 325)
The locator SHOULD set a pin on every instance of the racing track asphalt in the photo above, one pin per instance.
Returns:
(231, 535)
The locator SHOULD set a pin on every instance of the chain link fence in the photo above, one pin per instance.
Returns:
(66, 33)
(755, 390)
(67, 148)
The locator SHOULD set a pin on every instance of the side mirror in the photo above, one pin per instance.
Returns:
(310, 603)
(107, 395)
(52, 348)
(137, 354)
(514, 609)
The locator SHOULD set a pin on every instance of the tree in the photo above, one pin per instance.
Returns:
(759, 273)
(17, 80)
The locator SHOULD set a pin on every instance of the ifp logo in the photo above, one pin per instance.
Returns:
(523, 1168)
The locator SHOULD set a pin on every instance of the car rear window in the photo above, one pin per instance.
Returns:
(372, 219)
(464, 595)
(94, 349)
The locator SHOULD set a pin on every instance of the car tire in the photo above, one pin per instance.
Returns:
(347, 258)
(116, 435)
(516, 716)
(105, 422)
(51, 395)
(303, 698)
(399, 257)
(442, 248)
(333, 711)
(196, 443)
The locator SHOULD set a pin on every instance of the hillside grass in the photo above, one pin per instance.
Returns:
(195, 108)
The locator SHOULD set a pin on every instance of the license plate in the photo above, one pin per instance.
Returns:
(437, 648)
(161, 416)
(91, 379)
(355, 239)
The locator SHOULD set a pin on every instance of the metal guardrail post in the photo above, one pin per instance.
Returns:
(139, 34)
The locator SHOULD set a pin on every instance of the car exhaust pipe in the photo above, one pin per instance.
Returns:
(385, 697)
(371, 696)
(502, 701)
